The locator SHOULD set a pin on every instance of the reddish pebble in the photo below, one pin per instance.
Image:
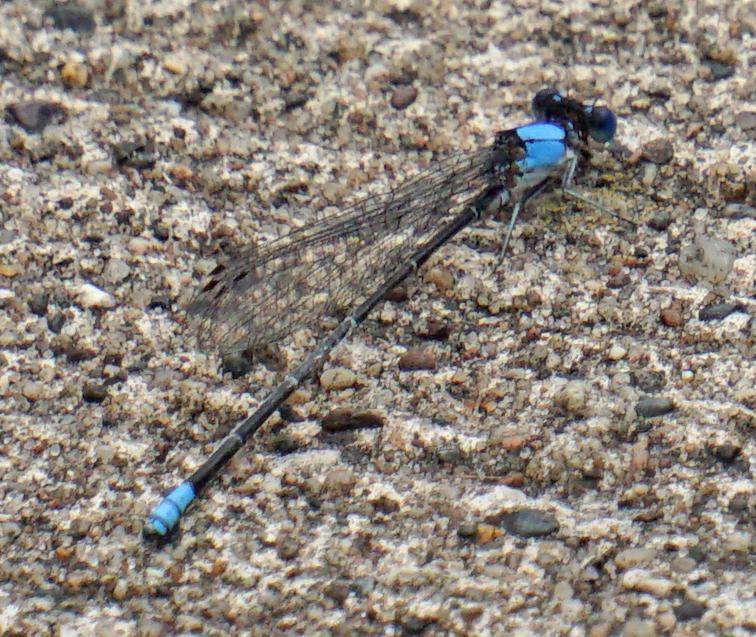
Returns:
(416, 359)
(403, 97)
(671, 316)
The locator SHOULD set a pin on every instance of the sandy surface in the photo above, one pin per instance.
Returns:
(181, 131)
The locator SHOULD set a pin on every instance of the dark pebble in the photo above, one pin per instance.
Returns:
(237, 364)
(38, 304)
(289, 414)
(403, 97)
(34, 116)
(660, 220)
(739, 503)
(528, 522)
(295, 100)
(71, 16)
(739, 211)
(94, 393)
(413, 625)
(282, 443)
(746, 120)
(348, 420)
(363, 586)
(385, 505)
(77, 353)
(399, 294)
(618, 281)
(651, 407)
(719, 70)
(726, 452)
(416, 359)
(467, 529)
(159, 302)
(688, 610)
(161, 231)
(134, 155)
(436, 330)
(337, 590)
(718, 311)
(648, 381)
(56, 323)
(288, 548)
(659, 151)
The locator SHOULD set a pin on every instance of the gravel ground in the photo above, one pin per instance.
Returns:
(576, 458)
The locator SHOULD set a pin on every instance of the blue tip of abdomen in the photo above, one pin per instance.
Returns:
(166, 515)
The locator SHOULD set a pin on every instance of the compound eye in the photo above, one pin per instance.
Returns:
(602, 123)
(544, 101)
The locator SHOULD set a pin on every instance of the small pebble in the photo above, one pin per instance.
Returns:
(32, 390)
(719, 70)
(672, 316)
(618, 281)
(650, 171)
(643, 581)
(739, 211)
(528, 522)
(71, 16)
(746, 120)
(417, 359)
(175, 64)
(90, 296)
(348, 420)
(340, 481)
(652, 407)
(116, 271)
(682, 564)
(630, 558)
(659, 151)
(707, 258)
(159, 302)
(487, 533)
(34, 116)
(94, 393)
(635, 627)
(639, 456)
(74, 74)
(616, 353)
(403, 97)
(337, 378)
(467, 529)
(38, 304)
(573, 398)
(441, 278)
(660, 220)
(726, 452)
(718, 311)
(648, 381)
(287, 548)
(337, 590)
(689, 610)
(435, 329)
(236, 363)
(413, 625)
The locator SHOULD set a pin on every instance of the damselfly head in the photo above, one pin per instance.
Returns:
(602, 123)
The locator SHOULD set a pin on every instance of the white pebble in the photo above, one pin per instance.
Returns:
(89, 296)
(707, 258)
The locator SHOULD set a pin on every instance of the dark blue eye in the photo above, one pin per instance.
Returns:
(602, 123)
(545, 101)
